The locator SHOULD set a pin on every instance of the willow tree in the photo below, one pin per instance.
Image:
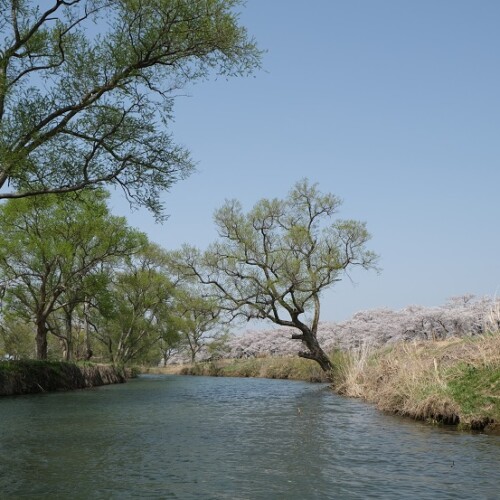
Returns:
(275, 261)
(50, 246)
(199, 323)
(142, 300)
(87, 89)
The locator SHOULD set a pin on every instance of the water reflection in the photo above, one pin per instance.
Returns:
(196, 437)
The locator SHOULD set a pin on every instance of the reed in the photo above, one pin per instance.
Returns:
(455, 381)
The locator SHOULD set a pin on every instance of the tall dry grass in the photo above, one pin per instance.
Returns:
(429, 380)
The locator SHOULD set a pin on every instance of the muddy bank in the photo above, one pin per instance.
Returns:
(29, 377)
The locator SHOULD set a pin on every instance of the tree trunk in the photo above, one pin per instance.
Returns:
(41, 339)
(68, 355)
(88, 349)
(315, 352)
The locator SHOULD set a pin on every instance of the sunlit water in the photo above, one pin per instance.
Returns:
(225, 438)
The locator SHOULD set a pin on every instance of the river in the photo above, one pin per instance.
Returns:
(227, 438)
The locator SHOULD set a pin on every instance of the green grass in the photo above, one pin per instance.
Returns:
(476, 389)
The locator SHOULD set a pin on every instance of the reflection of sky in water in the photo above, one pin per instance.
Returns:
(196, 437)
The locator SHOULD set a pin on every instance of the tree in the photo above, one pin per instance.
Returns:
(50, 246)
(199, 320)
(69, 319)
(139, 317)
(87, 89)
(274, 261)
(16, 339)
(170, 341)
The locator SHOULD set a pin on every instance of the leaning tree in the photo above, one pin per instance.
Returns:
(275, 261)
(87, 89)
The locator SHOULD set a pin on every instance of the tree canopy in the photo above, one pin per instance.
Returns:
(51, 251)
(87, 89)
(275, 261)
(141, 299)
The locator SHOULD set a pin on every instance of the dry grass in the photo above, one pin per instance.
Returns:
(263, 367)
(451, 381)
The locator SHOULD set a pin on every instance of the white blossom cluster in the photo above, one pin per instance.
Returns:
(460, 316)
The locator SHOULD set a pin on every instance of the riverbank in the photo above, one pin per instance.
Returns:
(455, 381)
(31, 376)
(284, 367)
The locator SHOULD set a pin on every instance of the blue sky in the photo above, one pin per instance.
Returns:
(393, 105)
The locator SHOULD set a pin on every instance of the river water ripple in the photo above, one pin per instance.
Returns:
(224, 438)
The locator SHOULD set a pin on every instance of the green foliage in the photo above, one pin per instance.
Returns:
(73, 274)
(53, 256)
(274, 261)
(17, 339)
(218, 345)
(141, 297)
(198, 321)
(87, 89)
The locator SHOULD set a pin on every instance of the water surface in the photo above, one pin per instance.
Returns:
(228, 438)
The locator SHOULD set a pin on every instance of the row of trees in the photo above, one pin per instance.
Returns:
(87, 89)
(86, 96)
(81, 275)
(71, 271)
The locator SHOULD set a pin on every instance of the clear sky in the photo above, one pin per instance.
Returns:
(393, 105)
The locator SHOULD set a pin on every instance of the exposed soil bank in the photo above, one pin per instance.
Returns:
(451, 382)
(29, 377)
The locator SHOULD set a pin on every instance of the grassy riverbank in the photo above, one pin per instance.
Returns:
(455, 381)
(262, 367)
(30, 376)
